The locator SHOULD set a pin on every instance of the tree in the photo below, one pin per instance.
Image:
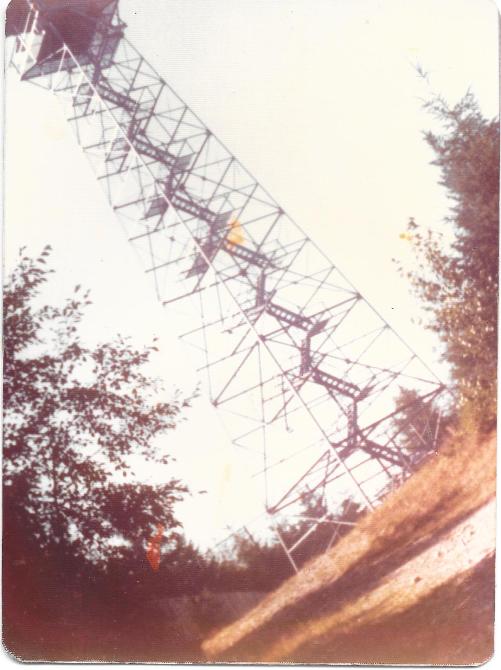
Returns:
(458, 281)
(74, 417)
(419, 425)
(264, 564)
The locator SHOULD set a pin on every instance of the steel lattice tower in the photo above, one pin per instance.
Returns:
(321, 396)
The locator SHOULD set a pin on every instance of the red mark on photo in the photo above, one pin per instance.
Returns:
(153, 548)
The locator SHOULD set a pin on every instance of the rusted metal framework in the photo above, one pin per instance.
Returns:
(317, 391)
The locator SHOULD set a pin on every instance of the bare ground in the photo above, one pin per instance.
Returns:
(412, 583)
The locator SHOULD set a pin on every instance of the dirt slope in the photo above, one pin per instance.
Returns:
(412, 583)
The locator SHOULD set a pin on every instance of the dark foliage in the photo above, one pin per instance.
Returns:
(457, 273)
(75, 516)
(73, 417)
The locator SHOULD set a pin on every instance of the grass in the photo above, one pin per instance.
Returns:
(449, 487)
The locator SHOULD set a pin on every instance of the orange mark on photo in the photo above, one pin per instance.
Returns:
(153, 548)
(235, 234)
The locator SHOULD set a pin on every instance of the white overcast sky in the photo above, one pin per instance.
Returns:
(320, 100)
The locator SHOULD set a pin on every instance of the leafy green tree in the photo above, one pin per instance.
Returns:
(73, 418)
(458, 279)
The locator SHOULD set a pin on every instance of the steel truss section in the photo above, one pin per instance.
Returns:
(322, 397)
